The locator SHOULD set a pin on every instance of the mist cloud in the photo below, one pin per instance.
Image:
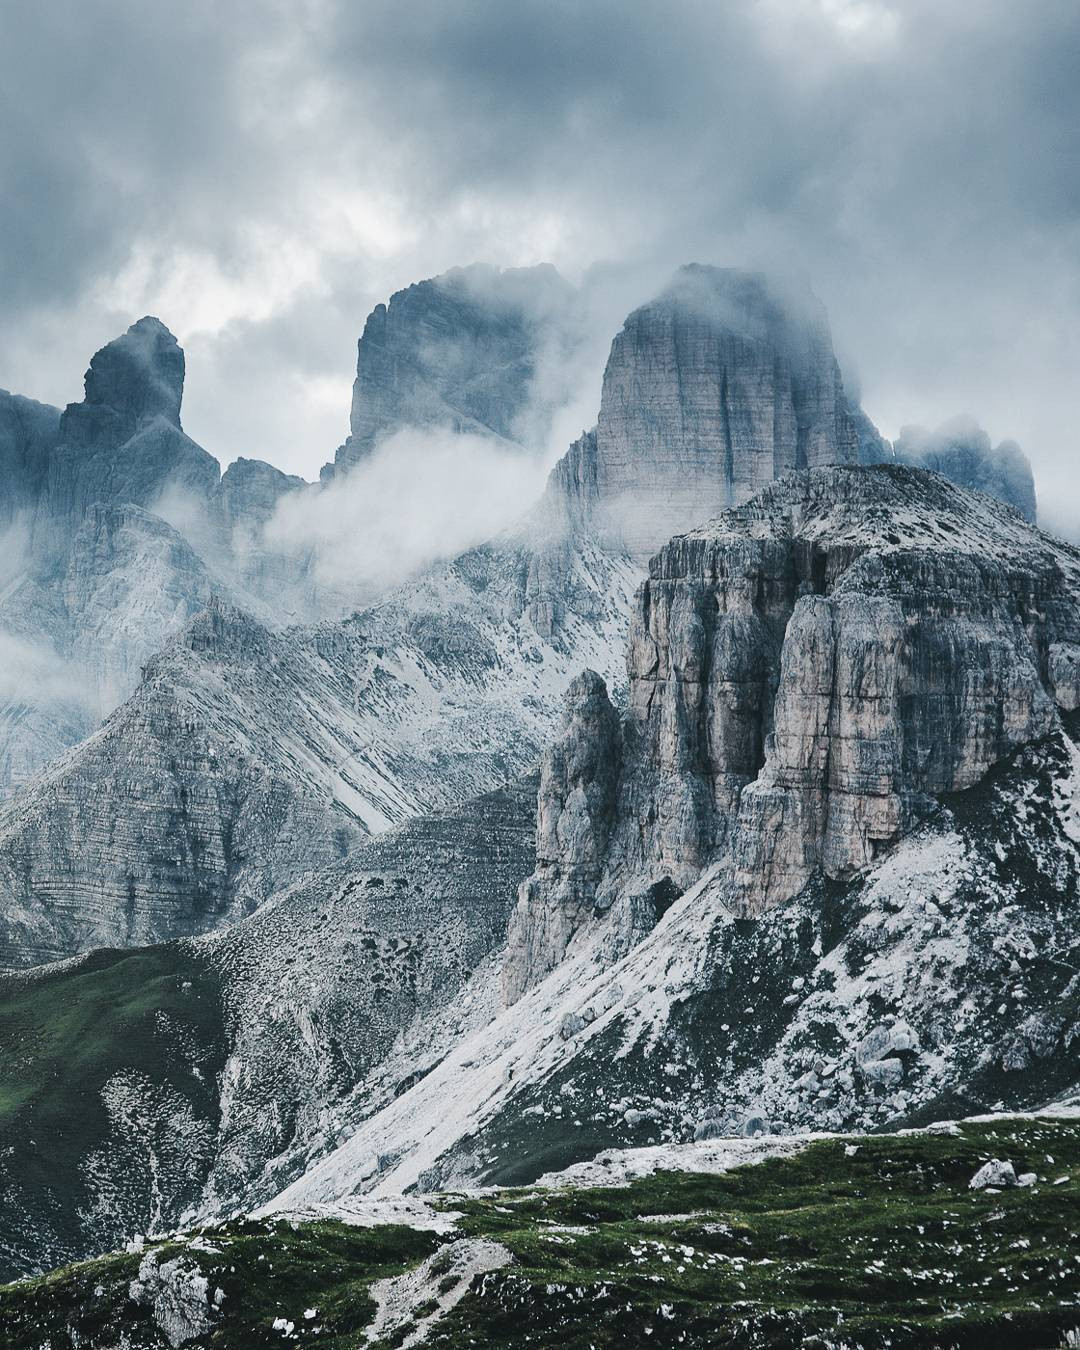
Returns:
(420, 496)
(260, 174)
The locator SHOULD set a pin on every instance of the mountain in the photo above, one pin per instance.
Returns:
(96, 577)
(825, 873)
(445, 689)
(722, 383)
(247, 757)
(302, 935)
(454, 1003)
(471, 350)
(140, 1086)
(963, 452)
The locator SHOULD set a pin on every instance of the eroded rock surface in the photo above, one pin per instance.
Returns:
(714, 389)
(579, 779)
(812, 673)
(217, 1068)
(460, 351)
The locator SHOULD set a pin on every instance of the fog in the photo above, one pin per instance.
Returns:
(420, 495)
(260, 174)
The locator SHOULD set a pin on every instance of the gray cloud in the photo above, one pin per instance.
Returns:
(258, 174)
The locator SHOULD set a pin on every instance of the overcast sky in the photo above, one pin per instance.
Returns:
(259, 174)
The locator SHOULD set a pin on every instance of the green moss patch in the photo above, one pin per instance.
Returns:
(871, 1241)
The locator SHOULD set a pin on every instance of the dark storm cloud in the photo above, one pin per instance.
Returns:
(273, 170)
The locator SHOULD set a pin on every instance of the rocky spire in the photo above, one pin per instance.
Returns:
(458, 351)
(579, 779)
(720, 385)
(131, 381)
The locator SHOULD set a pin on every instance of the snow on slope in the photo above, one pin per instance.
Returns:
(944, 974)
(248, 758)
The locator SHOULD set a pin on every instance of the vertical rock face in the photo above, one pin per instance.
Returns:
(249, 492)
(132, 380)
(714, 389)
(460, 351)
(813, 672)
(576, 805)
(893, 644)
(28, 434)
(130, 579)
(124, 442)
(94, 579)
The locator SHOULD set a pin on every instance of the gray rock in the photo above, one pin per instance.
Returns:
(575, 813)
(962, 451)
(306, 1016)
(460, 351)
(881, 1042)
(995, 1173)
(809, 674)
(883, 1073)
(711, 391)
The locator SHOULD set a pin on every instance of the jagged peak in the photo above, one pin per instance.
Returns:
(140, 373)
(886, 505)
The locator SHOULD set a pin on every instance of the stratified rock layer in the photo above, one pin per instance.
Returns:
(247, 757)
(711, 391)
(203, 1073)
(813, 672)
(460, 351)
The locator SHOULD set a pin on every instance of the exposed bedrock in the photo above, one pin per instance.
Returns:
(461, 351)
(813, 672)
(576, 811)
(715, 388)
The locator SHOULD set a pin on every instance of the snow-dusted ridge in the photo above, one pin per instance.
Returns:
(917, 985)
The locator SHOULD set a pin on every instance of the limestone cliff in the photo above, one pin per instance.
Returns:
(461, 351)
(455, 680)
(718, 386)
(579, 778)
(124, 443)
(812, 673)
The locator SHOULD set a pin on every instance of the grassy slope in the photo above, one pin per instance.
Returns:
(152, 1016)
(883, 1246)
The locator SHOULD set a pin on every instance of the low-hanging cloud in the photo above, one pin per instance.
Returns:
(34, 675)
(261, 174)
(422, 495)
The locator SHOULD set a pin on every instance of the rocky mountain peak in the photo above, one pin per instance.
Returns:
(962, 451)
(811, 674)
(724, 382)
(139, 376)
(458, 351)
